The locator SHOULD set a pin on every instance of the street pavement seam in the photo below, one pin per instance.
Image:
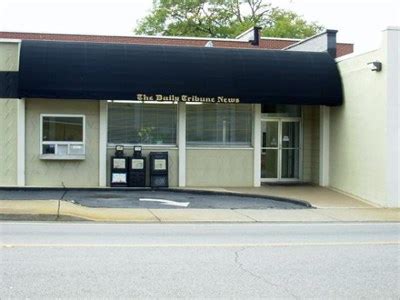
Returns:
(203, 245)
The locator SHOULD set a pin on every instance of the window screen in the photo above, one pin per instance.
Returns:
(219, 124)
(138, 123)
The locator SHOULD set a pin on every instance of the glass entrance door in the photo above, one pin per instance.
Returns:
(290, 149)
(280, 150)
(269, 149)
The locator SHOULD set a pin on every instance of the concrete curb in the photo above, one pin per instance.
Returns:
(65, 209)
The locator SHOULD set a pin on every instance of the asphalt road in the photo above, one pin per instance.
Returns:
(150, 199)
(91, 260)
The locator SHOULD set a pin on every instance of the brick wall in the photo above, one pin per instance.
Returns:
(265, 43)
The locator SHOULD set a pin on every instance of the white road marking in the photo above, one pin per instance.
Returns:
(166, 202)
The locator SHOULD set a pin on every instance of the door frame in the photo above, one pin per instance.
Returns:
(280, 120)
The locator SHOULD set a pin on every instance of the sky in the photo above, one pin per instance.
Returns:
(358, 21)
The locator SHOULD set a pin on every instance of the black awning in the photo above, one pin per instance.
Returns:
(76, 70)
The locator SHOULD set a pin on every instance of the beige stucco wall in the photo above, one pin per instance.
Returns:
(358, 130)
(219, 167)
(8, 142)
(172, 162)
(9, 56)
(310, 144)
(39, 172)
(9, 61)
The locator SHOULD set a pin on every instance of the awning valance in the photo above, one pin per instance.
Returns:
(76, 70)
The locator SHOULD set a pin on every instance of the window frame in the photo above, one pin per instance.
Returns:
(56, 143)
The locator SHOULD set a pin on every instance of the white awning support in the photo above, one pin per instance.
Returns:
(182, 144)
(324, 146)
(21, 142)
(103, 143)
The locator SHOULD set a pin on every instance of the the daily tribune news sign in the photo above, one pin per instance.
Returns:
(186, 98)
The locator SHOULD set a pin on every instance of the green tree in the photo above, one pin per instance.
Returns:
(223, 18)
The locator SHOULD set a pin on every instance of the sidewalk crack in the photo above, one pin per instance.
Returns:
(319, 211)
(154, 215)
(59, 202)
(259, 277)
(244, 215)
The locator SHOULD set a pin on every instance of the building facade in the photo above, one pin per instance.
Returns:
(227, 117)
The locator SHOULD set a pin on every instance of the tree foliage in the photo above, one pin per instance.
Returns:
(223, 18)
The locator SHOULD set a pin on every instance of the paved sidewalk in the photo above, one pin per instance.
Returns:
(317, 196)
(331, 207)
(56, 209)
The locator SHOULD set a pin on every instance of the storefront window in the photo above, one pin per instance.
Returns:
(138, 123)
(219, 124)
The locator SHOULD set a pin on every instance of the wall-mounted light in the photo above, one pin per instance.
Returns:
(375, 66)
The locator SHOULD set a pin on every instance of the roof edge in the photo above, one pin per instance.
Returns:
(310, 38)
(129, 36)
